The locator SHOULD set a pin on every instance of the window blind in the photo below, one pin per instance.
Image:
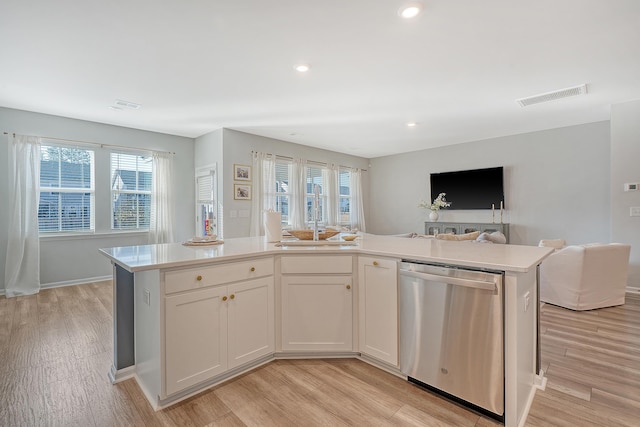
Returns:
(67, 192)
(131, 180)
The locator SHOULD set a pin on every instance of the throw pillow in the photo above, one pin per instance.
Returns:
(495, 237)
(552, 243)
(468, 236)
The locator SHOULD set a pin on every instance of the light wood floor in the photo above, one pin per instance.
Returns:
(55, 352)
(592, 363)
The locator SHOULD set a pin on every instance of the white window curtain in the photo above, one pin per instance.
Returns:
(162, 201)
(357, 208)
(22, 269)
(297, 208)
(264, 182)
(332, 192)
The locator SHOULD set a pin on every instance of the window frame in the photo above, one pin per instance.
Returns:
(319, 178)
(348, 197)
(60, 190)
(309, 196)
(137, 191)
(287, 195)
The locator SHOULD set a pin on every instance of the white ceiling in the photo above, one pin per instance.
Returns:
(199, 65)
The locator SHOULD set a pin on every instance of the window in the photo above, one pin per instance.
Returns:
(334, 186)
(281, 190)
(344, 181)
(131, 178)
(315, 178)
(67, 192)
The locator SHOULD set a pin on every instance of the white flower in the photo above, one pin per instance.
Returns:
(439, 202)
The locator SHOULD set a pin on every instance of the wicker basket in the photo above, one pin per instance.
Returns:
(308, 234)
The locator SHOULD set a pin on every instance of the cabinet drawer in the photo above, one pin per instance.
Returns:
(316, 264)
(379, 262)
(201, 277)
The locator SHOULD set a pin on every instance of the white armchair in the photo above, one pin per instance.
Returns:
(584, 277)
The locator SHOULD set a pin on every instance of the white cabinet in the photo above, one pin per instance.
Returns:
(251, 324)
(378, 309)
(317, 307)
(216, 327)
(195, 337)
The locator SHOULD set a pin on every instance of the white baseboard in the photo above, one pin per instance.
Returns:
(115, 375)
(69, 283)
(75, 282)
(540, 381)
(632, 290)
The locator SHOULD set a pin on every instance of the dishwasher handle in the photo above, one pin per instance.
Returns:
(477, 284)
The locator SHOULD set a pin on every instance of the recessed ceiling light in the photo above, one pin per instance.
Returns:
(113, 107)
(411, 124)
(410, 10)
(302, 68)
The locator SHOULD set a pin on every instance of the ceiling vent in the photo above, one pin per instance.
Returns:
(126, 104)
(552, 96)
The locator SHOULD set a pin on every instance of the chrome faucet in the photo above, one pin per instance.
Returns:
(316, 210)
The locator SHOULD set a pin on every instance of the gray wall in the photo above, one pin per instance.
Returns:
(560, 183)
(556, 184)
(237, 148)
(75, 259)
(625, 154)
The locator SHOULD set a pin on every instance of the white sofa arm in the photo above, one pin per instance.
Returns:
(586, 276)
(565, 267)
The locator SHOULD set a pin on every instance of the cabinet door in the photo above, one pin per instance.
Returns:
(195, 337)
(251, 321)
(378, 326)
(317, 313)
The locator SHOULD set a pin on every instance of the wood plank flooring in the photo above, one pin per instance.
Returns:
(56, 349)
(592, 364)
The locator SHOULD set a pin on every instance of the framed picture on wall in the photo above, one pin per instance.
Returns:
(242, 191)
(242, 173)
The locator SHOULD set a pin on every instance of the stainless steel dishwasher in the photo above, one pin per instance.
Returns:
(451, 333)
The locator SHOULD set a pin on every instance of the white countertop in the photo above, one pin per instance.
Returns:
(515, 258)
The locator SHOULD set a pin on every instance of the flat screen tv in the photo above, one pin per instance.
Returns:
(470, 189)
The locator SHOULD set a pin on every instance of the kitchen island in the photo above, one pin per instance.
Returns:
(205, 314)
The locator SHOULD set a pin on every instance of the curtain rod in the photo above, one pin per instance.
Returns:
(100, 144)
(310, 161)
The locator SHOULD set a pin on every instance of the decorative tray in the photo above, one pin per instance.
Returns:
(203, 243)
(308, 234)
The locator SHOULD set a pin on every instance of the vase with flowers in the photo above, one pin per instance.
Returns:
(437, 204)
